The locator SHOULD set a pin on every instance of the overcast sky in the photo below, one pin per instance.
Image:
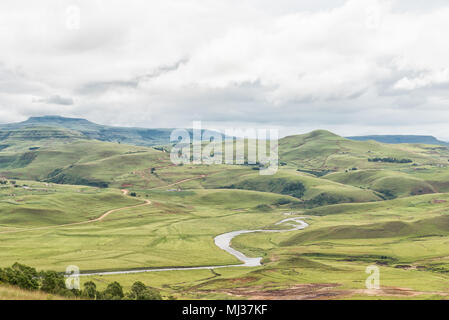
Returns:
(353, 67)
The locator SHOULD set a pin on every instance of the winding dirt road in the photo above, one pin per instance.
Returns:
(100, 218)
(222, 241)
(103, 216)
(180, 181)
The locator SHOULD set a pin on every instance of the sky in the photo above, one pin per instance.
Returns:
(353, 67)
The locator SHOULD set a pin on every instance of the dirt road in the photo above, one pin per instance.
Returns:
(100, 218)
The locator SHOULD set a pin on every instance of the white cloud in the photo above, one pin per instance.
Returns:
(438, 77)
(367, 66)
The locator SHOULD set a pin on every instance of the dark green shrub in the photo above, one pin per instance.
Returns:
(140, 291)
(114, 291)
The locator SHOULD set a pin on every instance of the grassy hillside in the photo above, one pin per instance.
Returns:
(177, 229)
(390, 183)
(60, 181)
(404, 237)
(32, 204)
(34, 138)
(70, 160)
(302, 186)
(323, 150)
(87, 162)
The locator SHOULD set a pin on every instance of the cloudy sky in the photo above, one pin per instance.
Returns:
(352, 67)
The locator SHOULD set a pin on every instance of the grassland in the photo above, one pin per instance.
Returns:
(33, 204)
(13, 293)
(177, 230)
(324, 150)
(393, 215)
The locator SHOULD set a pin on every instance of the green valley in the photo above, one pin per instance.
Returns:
(69, 197)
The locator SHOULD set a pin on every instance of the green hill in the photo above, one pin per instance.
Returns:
(33, 138)
(49, 218)
(303, 186)
(436, 226)
(86, 162)
(388, 182)
(323, 151)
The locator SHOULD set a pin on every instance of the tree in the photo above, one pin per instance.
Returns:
(133, 194)
(114, 291)
(140, 291)
(53, 282)
(90, 290)
(22, 276)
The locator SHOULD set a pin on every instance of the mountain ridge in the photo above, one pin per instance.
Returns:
(398, 139)
(161, 136)
(91, 130)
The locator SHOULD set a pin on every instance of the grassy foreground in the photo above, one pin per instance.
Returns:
(14, 293)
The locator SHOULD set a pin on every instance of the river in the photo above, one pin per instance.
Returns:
(223, 241)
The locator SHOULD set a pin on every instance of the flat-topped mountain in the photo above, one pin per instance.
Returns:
(90, 130)
(397, 139)
(49, 120)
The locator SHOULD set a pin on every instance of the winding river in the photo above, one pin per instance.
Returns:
(223, 241)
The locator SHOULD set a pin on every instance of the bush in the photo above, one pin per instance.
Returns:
(386, 194)
(90, 290)
(263, 208)
(294, 189)
(114, 291)
(282, 201)
(53, 282)
(391, 160)
(318, 174)
(276, 185)
(21, 276)
(326, 199)
(139, 291)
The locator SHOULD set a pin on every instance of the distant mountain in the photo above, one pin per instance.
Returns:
(90, 130)
(84, 129)
(57, 127)
(396, 139)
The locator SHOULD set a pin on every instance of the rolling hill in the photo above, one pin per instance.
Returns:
(365, 202)
(331, 168)
(390, 183)
(324, 151)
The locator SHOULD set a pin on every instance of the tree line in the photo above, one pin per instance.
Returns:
(53, 282)
(392, 160)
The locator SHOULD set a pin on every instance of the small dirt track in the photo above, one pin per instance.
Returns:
(102, 217)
